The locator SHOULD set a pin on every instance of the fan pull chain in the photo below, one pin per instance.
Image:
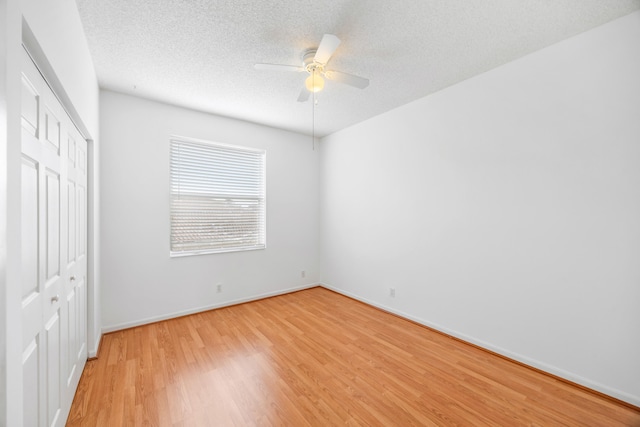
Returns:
(313, 116)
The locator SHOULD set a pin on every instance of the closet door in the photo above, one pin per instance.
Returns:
(53, 221)
(75, 289)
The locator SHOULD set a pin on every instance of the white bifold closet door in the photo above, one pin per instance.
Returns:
(54, 253)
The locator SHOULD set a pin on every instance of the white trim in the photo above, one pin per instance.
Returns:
(179, 254)
(141, 322)
(180, 138)
(634, 400)
(95, 346)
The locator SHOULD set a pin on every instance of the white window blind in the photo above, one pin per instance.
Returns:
(217, 197)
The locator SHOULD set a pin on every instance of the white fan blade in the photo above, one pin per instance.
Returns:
(304, 95)
(278, 67)
(348, 79)
(328, 45)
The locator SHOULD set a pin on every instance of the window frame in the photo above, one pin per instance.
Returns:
(262, 225)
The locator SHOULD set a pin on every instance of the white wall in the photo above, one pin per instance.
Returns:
(57, 27)
(505, 210)
(140, 282)
(53, 32)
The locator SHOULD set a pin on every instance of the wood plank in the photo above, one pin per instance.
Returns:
(315, 357)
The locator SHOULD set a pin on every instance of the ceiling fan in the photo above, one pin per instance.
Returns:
(314, 62)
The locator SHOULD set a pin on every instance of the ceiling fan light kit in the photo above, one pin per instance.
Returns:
(314, 83)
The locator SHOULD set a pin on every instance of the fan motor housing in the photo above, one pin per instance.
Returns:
(308, 63)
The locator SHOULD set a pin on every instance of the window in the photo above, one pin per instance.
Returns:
(217, 197)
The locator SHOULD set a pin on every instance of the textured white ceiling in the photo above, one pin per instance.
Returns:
(200, 53)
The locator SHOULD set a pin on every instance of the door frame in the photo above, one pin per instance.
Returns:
(13, 37)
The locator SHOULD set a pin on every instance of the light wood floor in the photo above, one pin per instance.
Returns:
(317, 358)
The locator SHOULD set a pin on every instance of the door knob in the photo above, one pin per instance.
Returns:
(55, 299)
(72, 278)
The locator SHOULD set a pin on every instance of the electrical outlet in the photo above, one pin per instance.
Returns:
(303, 274)
(219, 287)
(392, 292)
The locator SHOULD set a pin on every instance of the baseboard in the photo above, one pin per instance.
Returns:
(154, 319)
(618, 396)
(95, 351)
(601, 390)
